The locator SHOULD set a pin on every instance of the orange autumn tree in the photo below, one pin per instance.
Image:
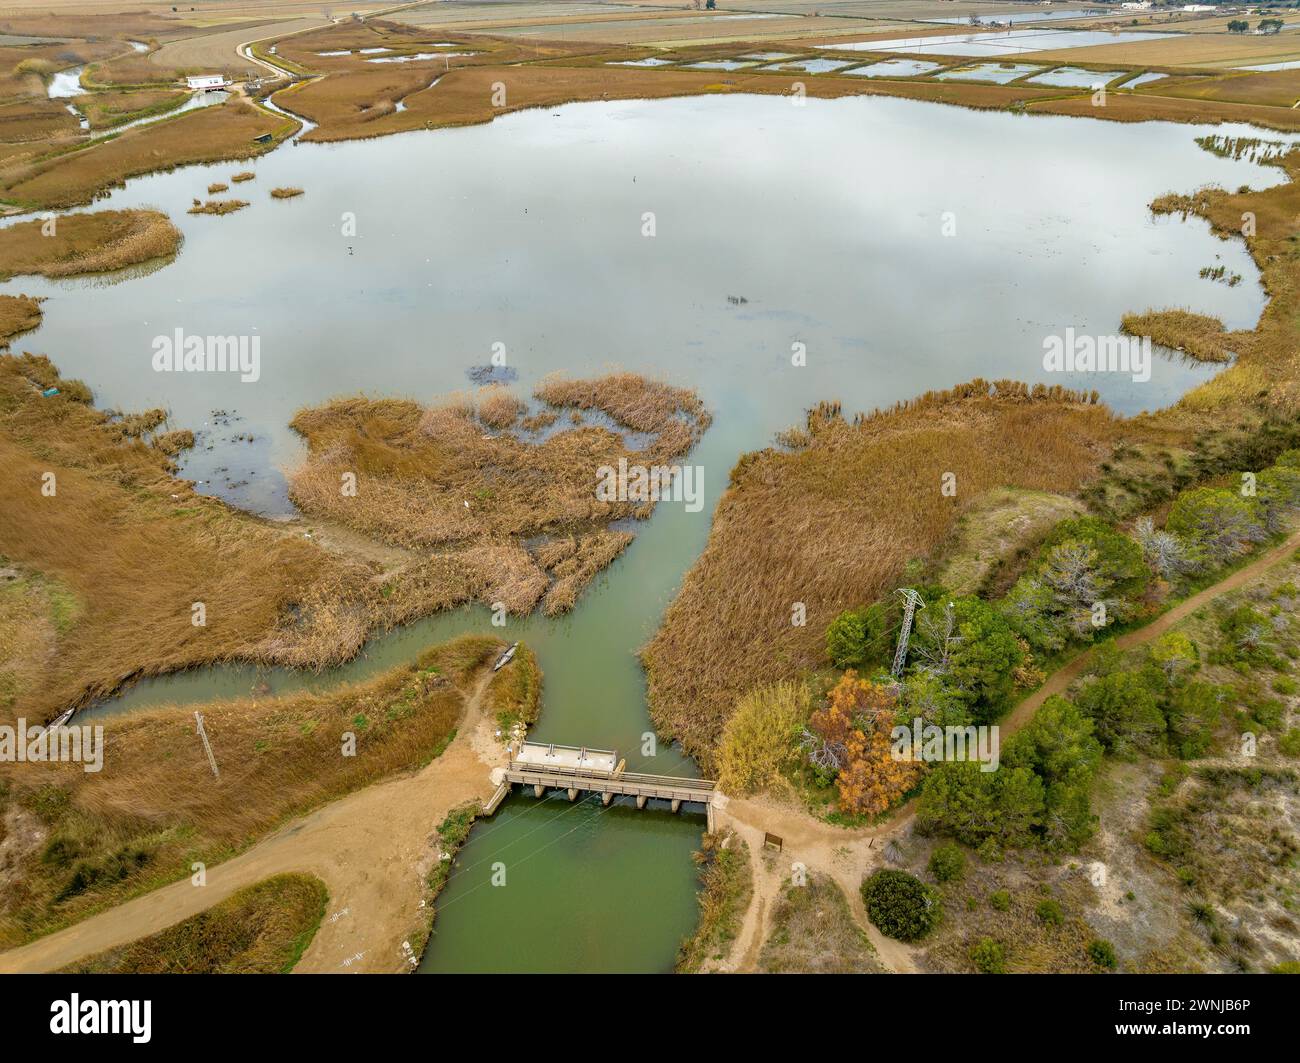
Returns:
(854, 725)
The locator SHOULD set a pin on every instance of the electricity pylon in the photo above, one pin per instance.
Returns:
(913, 602)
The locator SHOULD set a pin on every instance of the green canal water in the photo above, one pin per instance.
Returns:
(775, 226)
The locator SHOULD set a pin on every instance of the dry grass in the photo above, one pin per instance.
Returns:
(726, 885)
(87, 243)
(1030, 944)
(813, 932)
(1196, 335)
(262, 929)
(133, 549)
(1266, 374)
(107, 109)
(497, 407)
(18, 314)
(217, 187)
(575, 562)
(218, 206)
(209, 134)
(245, 175)
(833, 524)
(285, 193)
(157, 807)
(431, 476)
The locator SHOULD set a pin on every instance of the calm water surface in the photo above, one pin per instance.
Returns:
(774, 225)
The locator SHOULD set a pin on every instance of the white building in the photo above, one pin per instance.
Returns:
(204, 82)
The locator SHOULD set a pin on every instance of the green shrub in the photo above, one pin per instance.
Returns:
(1049, 912)
(988, 957)
(1000, 901)
(947, 862)
(1102, 953)
(1289, 743)
(901, 905)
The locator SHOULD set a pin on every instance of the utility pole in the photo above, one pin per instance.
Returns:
(207, 748)
(913, 602)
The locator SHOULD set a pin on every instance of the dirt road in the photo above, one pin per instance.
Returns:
(848, 855)
(372, 850)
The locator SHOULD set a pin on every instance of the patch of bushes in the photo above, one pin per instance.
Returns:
(901, 905)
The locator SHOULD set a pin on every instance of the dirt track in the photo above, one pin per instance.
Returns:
(848, 855)
(372, 849)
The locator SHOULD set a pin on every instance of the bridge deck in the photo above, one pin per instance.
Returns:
(634, 784)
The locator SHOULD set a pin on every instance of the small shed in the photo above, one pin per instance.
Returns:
(207, 82)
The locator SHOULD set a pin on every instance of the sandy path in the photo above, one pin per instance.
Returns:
(847, 855)
(372, 850)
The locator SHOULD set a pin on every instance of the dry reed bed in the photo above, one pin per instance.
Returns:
(75, 178)
(18, 314)
(1198, 336)
(832, 523)
(156, 806)
(433, 478)
(95, 242)
(218, 206)
(132, 549)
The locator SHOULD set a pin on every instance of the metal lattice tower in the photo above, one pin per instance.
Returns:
(913, 602)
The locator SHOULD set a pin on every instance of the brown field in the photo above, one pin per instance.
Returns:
(1195, 50)
(95, 838)
(18, 314)
(205, 135)
(95, 242)
(262, 929)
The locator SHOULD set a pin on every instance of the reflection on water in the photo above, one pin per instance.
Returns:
(774, 226)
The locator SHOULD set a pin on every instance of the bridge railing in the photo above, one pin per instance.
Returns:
(596, 775)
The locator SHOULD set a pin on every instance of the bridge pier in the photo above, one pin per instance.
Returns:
(677, 804)
(640, 801)
(607, 797)
(538, 790)
(573, 793)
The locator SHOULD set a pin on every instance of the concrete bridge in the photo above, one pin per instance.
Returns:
(577, 769)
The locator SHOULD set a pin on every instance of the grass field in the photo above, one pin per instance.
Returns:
(262, 929)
